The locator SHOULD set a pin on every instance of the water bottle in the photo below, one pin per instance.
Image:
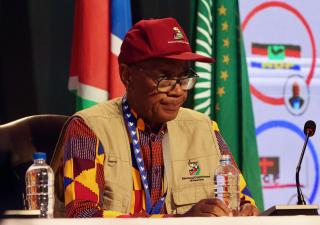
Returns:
(39, 186)
(227, 183)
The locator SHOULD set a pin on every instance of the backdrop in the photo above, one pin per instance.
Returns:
(282, 45)
(281, 39)
(35, 48)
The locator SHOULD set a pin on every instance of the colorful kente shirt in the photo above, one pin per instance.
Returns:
(84, 174)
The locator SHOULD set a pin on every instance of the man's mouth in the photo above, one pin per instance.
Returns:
(172, 106)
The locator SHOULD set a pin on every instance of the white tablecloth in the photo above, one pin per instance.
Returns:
(283, 220)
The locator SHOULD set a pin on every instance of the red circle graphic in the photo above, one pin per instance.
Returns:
(252, 13)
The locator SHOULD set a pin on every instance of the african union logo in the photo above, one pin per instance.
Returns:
(194, 168)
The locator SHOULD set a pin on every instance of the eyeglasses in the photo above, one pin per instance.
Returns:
(165, 84)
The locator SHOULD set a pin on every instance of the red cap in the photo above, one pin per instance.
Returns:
(157, 38)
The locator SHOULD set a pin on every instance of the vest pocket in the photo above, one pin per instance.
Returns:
(112, 160)
(118, 184)
(184, 199)
(115, 202)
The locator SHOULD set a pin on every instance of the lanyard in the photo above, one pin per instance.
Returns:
(130, 122)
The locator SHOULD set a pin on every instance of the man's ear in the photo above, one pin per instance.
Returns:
(125, 74)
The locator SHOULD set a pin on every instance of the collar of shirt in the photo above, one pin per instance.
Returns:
(144, 127)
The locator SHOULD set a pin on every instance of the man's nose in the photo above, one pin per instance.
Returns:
(177, 89)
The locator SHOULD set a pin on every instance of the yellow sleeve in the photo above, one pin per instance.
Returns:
(215, 126)
(245, 195)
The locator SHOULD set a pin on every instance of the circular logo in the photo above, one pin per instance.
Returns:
(296, 130)
(296, 95)
(263, 97)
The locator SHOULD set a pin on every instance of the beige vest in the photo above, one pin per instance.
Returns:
(189, 142)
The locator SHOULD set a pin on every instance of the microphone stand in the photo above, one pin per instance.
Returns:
(301, 200)
(301, 208)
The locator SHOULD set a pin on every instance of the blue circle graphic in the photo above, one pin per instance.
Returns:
(299, 132)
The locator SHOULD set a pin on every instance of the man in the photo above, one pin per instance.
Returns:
(144, 155)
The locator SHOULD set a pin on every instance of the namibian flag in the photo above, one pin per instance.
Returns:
(99, 28)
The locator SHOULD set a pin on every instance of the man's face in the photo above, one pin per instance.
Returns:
(153, 106)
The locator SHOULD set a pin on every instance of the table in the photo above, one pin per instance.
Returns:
(279, 220)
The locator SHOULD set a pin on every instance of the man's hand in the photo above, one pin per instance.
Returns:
(248, 210)
(208, 207)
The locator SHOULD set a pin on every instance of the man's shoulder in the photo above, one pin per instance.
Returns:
(107, 109)
(189, 114)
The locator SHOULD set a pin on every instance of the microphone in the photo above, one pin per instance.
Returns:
(309, 129)
(301, 208)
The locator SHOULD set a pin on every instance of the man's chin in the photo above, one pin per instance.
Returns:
(168, 115)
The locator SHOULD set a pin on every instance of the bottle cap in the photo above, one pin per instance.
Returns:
(40, 155)
(225, 157)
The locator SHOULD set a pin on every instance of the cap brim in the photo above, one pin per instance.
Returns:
(190, 56)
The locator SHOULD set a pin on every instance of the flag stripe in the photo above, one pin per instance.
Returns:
(205, 33)
(87, 92)
(206, 21)
(205, 45)
(99, 27)
(205, 75)
(205, 66)
(203, 105)
(115, 44)
(120, 17)
(206, 5)
(205, 94)
(203, 85)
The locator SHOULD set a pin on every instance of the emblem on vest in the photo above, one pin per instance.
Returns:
(194, 168)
